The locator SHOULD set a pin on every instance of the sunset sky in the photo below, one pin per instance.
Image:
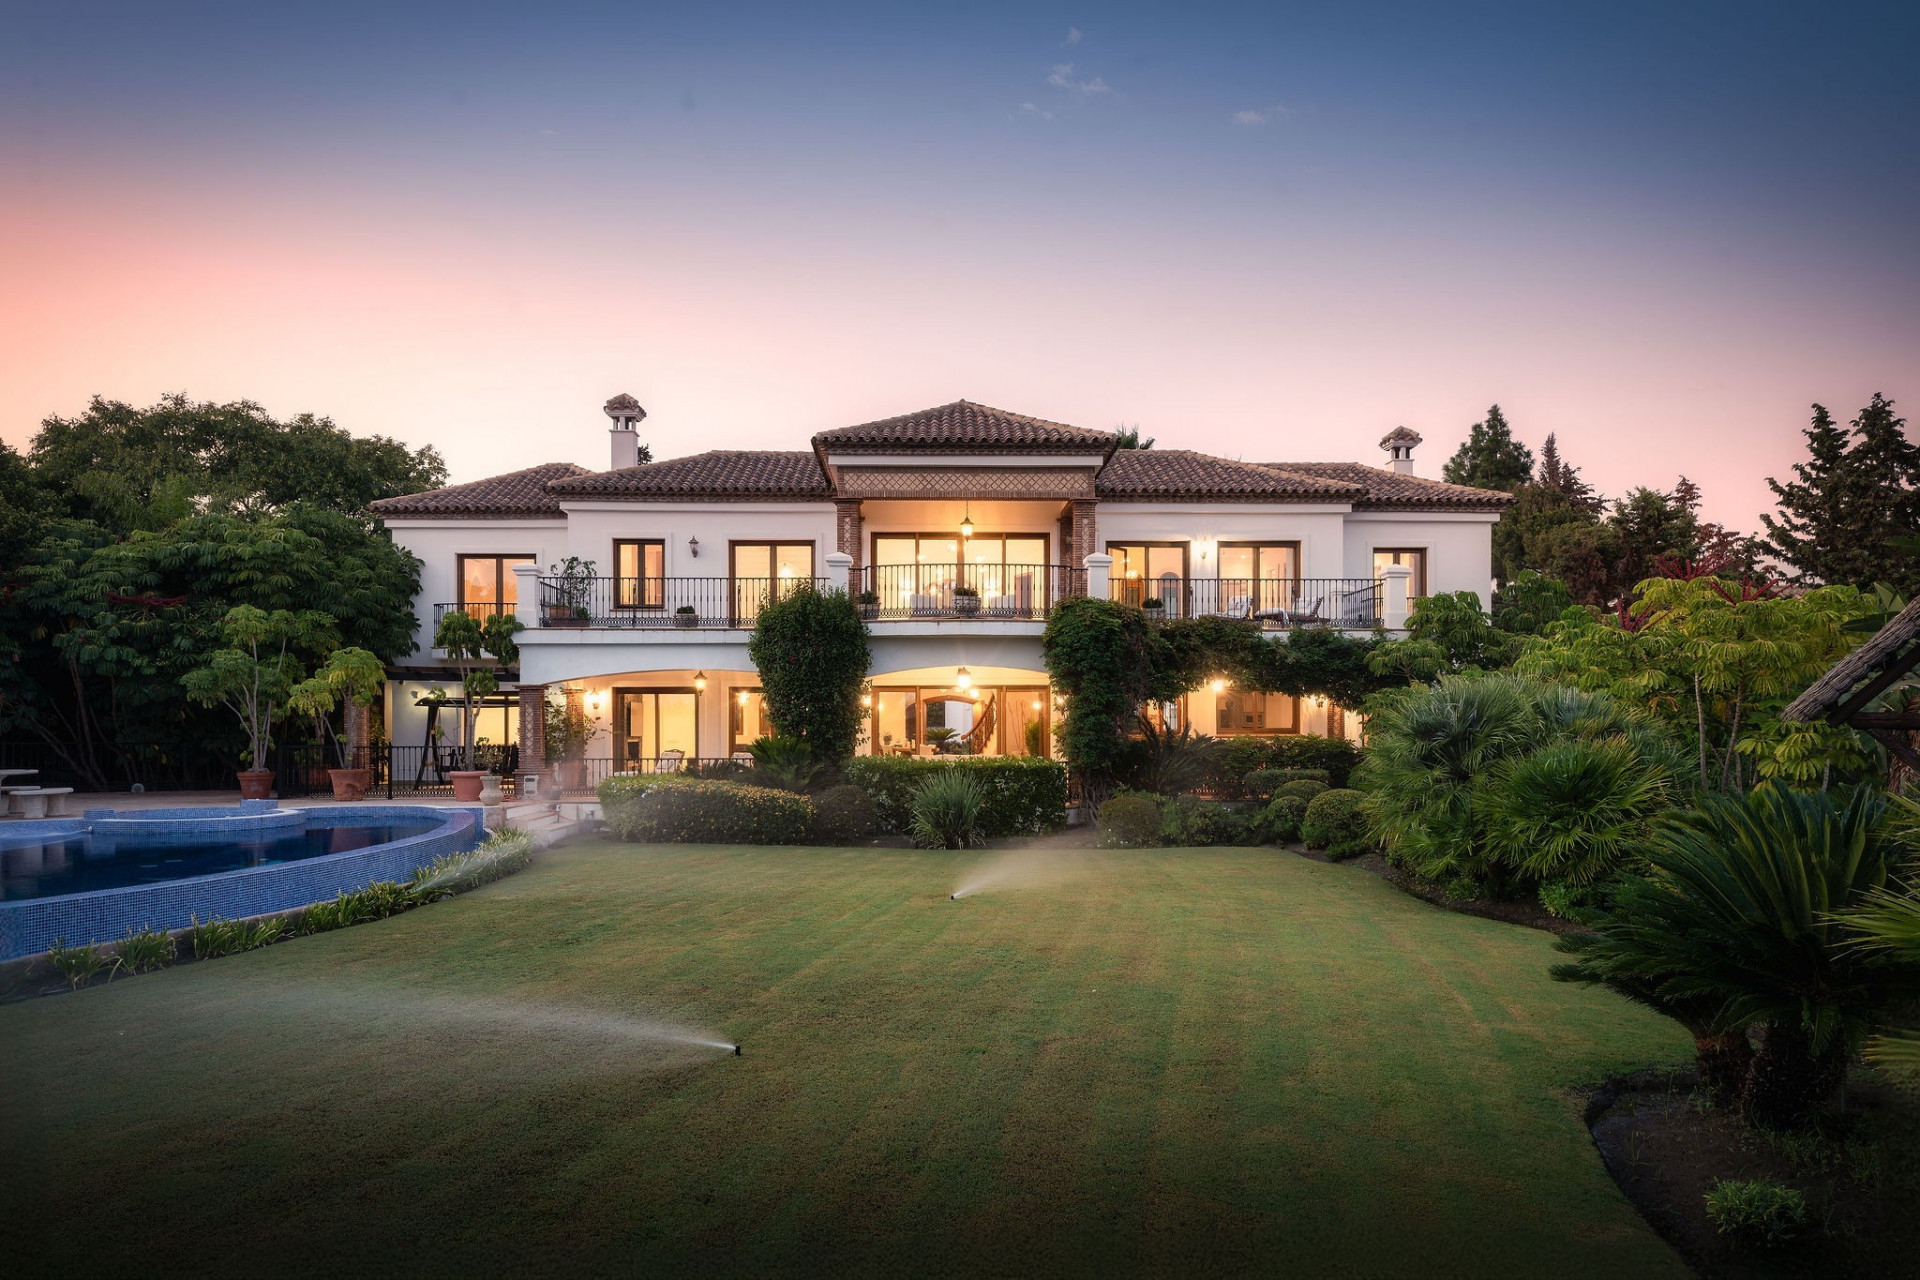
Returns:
(1272, 231)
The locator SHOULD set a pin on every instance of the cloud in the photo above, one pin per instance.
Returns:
(1262, 116)
(1034, 110)
(1073, 35)
(1063, 77)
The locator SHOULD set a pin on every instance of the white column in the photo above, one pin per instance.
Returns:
(1098, 566)
(840, 574)
(526, 607)
(1395, 587)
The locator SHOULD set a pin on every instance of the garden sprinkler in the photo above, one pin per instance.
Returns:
(736, 1051)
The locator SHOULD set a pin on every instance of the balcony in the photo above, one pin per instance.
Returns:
(660, 603)
(1002, 592)
(1277, 604)
(479, 611)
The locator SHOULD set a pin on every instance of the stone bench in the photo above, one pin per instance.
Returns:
(41, 802)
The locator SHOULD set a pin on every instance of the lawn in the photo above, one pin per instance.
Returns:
(1228, 1059)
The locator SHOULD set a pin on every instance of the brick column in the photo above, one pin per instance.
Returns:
(1086, 531)
(359, 727)
(846, 529)
(533, 734)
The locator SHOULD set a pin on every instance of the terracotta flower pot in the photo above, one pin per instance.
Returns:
(348, 784)
(466, 784)
(255, 784)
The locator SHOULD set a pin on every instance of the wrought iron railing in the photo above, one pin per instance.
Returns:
(1009, 591)
(301, 769)
(661, 602)
(478, 610)
(1275, 603)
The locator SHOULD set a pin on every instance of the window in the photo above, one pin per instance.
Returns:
(1237, 713)
(1264, 574)
(651, 723)
(1167, 717)
(763, 570)
(1414, 558)
(746, 719)
(1013, 721)
(920, 571)
(487, 584)
(1150, 570)
(639, 573)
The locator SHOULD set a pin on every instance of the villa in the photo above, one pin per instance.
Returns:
(957, 528)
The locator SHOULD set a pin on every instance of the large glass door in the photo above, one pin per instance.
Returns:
(764, 571)
(651, 725)
(1145, 571)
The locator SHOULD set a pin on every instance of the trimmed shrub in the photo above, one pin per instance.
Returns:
(946, 811)
(698, 812)
(1284, 776)
(1279, 822)
(1757, 1213)
(1306, 755)
(1312, 751)
(1260, 784)
(1019, 795)
(1186, 822)
(1305, 788)
(843, 815)
(1333, 821)
(1130, 820)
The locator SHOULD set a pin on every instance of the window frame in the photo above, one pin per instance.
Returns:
(1264, 731)
(617, 702)
(1417, 588)
(618, 578)
(501, 576)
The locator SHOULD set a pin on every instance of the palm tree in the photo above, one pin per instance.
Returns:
(1739, 926)
(1890, 927)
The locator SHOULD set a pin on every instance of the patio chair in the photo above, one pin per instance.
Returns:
(1238, 608)
(1306, 610)
(670, 761)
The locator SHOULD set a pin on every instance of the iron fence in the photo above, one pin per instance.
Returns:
(1010, 591)
(478, 610)
(301, 769)
(1275, 603)
(662, 602)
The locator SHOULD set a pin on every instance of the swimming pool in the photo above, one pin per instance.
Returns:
(94, 878)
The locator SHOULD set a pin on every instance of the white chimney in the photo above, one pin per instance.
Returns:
(1399, 444)
(627, 415)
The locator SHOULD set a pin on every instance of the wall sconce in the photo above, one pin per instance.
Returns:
(693, 547)
(1036, 704)
(1206, 549)
(596, 701)
(742, 696)
(963, 679)
(700, 681)
(1217, 685)
(866, 700)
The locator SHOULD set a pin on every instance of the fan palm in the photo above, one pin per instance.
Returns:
(1574, 810)
(1737, 926)
(1889, 924)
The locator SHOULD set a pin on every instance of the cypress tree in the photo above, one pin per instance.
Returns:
(1853, 499)
(1491, 458)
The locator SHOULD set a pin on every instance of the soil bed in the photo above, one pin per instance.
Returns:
(1860, 1174)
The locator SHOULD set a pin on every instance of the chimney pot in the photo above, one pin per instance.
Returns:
(1399, 444)
(627, 416)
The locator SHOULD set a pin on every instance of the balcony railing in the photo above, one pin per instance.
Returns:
(1275, 603)
(661, 602)
(478, 610)
(1000, 591)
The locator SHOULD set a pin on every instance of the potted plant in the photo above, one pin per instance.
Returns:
(469, 643)
(567, 735)
(252, 676)
(569, 593)
(869, 605)
(351, 676)
(686, 616)
(966, 600)
(1156, 608)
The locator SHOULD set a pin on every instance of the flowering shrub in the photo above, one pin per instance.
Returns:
(1019, 795)
(713, 813)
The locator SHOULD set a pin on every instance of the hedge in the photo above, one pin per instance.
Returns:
(1131, 820)
(1024, 795)
(1308, 753)
(712, 813)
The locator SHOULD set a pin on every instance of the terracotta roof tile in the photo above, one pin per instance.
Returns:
(1391, 489)
(518, 493)
(964, 425)
(764, 474)
(1181, 473)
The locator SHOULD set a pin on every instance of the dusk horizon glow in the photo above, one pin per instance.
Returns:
(1269, 234)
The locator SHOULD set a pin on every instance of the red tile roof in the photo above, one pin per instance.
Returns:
(1394, 491)
(750, 474)
(518, 493)
(1181, 473)
(963, 425)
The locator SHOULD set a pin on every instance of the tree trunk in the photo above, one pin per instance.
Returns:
(1787, 1081)
(1723, 1061)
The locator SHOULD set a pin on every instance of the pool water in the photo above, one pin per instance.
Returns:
(82, 863)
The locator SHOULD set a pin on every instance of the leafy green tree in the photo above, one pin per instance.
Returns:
(1558, 476)
(1129, 438)
(1491, 458)
(469, 644)
(1447, 634)
(351, 678)
(1743, 915)
(810, 648)
(257, 668)
(1099, 656)
(130, 468)
(1651, 527)
(1843, 519)
(1527, 604)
